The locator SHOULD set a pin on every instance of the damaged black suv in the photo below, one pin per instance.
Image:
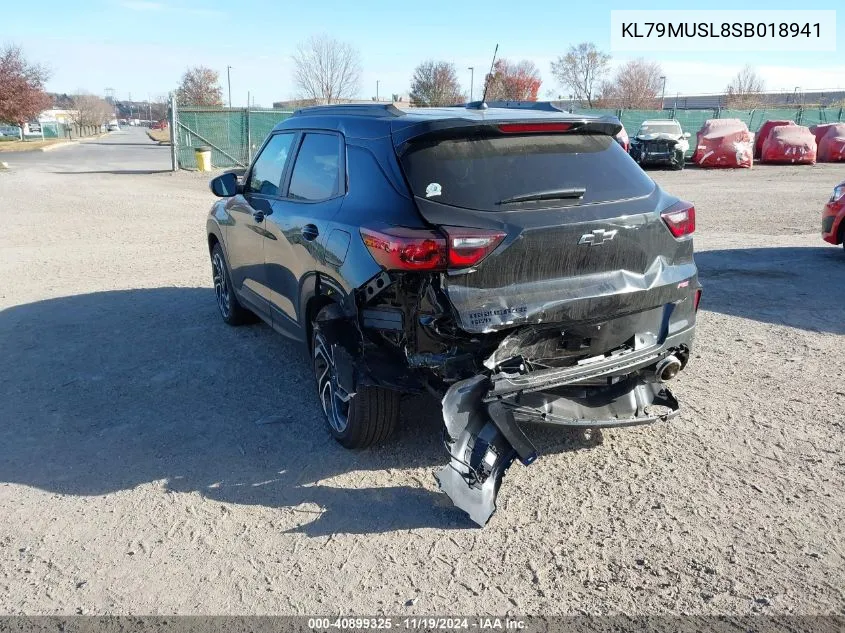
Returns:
(509, 258)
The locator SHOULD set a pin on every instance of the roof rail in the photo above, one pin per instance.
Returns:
(544, 106)
(354, 109)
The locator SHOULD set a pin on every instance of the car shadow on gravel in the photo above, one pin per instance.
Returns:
(800, 287)
(107, 391)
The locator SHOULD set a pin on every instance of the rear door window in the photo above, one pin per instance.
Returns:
(480, 172)
(316, 172)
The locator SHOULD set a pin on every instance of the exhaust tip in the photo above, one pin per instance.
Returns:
(667, 369)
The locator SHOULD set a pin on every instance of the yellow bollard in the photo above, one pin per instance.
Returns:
(203, 156)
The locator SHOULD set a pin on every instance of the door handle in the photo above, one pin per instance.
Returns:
(310, 232)
(258, 216)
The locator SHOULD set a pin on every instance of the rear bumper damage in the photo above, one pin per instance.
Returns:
(484, 416)
(564, 368)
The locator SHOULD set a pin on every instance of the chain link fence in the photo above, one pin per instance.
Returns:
(233, 134)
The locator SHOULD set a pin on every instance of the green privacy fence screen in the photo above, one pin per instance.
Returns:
(234, 134)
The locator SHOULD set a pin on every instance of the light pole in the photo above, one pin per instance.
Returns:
(229, 81)
(471, 70)
(663, 92)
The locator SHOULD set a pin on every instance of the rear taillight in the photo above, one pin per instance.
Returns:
(680, 218)
(399, 248)
(697, 299)
(528, 128)
(467, 247)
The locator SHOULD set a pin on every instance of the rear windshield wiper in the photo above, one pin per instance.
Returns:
(551, 194)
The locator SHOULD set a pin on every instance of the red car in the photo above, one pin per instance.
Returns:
(160, 125)
(833, 217)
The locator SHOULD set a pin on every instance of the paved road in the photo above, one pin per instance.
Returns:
(129, 151)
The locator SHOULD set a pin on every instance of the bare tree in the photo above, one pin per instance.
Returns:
(90, 110)
(22, 95)
(636, 85)
(200, 86)
(581, 70)
(326, 70)
(436, 84)
(744, 92)
(513, 81)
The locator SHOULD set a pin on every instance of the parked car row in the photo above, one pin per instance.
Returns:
(729, 143)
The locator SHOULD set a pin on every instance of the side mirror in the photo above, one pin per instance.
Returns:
(224, 186)
(686, 135)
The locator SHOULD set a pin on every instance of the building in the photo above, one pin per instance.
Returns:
(293, 104)
(769, 99)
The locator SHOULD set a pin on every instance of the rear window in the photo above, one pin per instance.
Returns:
(480, 172)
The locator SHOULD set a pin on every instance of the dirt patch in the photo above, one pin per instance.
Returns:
(140, 473)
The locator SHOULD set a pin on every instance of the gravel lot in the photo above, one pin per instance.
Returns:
(153, 460)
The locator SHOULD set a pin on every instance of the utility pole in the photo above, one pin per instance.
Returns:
(229, 81)
(663, 92)
(174, 137)
(471, 70)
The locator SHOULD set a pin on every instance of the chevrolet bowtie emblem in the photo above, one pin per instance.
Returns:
(597, 237)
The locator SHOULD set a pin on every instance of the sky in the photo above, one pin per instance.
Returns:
(140, 48)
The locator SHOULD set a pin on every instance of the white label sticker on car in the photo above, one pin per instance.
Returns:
(434, 189)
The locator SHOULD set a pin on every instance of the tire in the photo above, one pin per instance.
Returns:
(231, 311)
(368, 417)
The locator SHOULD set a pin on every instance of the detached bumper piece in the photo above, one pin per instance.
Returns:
(481, 448)
(484, 437)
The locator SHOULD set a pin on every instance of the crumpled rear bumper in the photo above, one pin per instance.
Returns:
(485, 436)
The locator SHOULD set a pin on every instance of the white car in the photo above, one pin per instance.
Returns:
(660, 142)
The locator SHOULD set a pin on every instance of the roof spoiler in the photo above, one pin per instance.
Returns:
(460, 128)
